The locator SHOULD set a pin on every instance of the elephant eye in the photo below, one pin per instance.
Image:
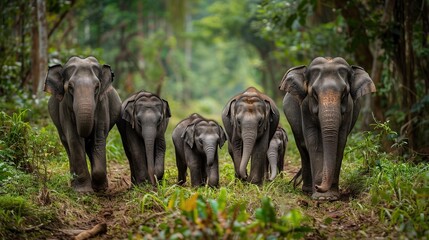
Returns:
(239, 122)
(70, 88)
(316, 97)
(97, 89)
(260, 122)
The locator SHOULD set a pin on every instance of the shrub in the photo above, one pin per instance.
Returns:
(198, 218)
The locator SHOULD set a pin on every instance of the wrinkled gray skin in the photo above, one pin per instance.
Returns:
(84, 107)
(322, 107)
(250, 120)
(276, 153)
(196, 141)
(142, 126)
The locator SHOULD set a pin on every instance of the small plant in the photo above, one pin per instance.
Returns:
(14, 145)
(401, 190)
(198, 218)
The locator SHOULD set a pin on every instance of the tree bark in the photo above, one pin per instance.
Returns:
(39, 52)
(364, 57)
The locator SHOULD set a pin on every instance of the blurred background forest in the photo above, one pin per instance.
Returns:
(202, 52)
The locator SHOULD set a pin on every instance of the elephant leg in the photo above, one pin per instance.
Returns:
(235, 149)
(294, 117)
(122, 130)
(213, 173)
(98, 165)
(259, 160)
(136, 156)
(81, 179)
(195, 167)
(204, 172)
(307, 179)
(159, 158)
(181, 165)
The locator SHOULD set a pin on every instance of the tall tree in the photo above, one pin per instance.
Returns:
(39, 53)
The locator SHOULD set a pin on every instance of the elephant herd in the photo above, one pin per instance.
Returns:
(321, 105)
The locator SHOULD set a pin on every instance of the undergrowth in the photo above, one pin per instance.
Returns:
(380, 183)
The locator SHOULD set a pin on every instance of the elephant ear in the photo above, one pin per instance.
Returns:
(188, 135)
(128, 110)
(222, 136)
(106, 80)
(54, 83)
(166, 108)
(295, 83)
(361, 83)
(285, 139)
(228, 112)
(230, 108)
(270, 113)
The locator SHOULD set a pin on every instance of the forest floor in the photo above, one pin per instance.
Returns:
(328, 219)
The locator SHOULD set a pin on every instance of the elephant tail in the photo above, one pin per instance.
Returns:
(297, 179)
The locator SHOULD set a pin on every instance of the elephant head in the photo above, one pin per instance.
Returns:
(205, 136)
(276, 152)
(82, 83)
(148, 115)
(331, 87)
(251, 115)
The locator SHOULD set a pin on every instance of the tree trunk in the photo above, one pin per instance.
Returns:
(39, 53)
(364, 57)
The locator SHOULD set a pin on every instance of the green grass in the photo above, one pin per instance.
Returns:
(384, 195)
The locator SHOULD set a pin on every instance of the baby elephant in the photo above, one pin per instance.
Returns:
(276, 153)
(142, 126)
(196, 140)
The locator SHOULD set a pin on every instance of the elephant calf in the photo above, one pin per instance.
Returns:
(250, 119)
(84, 106)
(142, 126)
(276, 153)
(196, 140)
(322, 106)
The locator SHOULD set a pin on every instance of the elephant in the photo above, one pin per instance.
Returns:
(250, 120)
(321, 106)
(276, 153)
(196, 140)
(144, 120)
(84, 107)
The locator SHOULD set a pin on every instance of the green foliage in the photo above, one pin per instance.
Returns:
(368, 145)
(401, 190)
(398, 189)
(297, 38)
(14, 146)
(199, 218)
(19, 215)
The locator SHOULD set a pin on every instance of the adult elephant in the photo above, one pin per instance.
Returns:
(142, 126)
(276, 153)
(84, 107)
(321, 105)
(250, 120)
(196, 141)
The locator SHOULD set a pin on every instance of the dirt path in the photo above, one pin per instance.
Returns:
(329, 219)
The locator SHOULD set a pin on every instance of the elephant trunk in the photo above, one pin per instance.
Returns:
(329, 123)
(149, 135)
(272, 156)
(84, 110)
(212, 168)
(249, 135)
(210, 151)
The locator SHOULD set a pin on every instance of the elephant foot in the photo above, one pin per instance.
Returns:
(330, 195)
(307, 189)
(99, 182)
(82, 185)
(82, 188)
